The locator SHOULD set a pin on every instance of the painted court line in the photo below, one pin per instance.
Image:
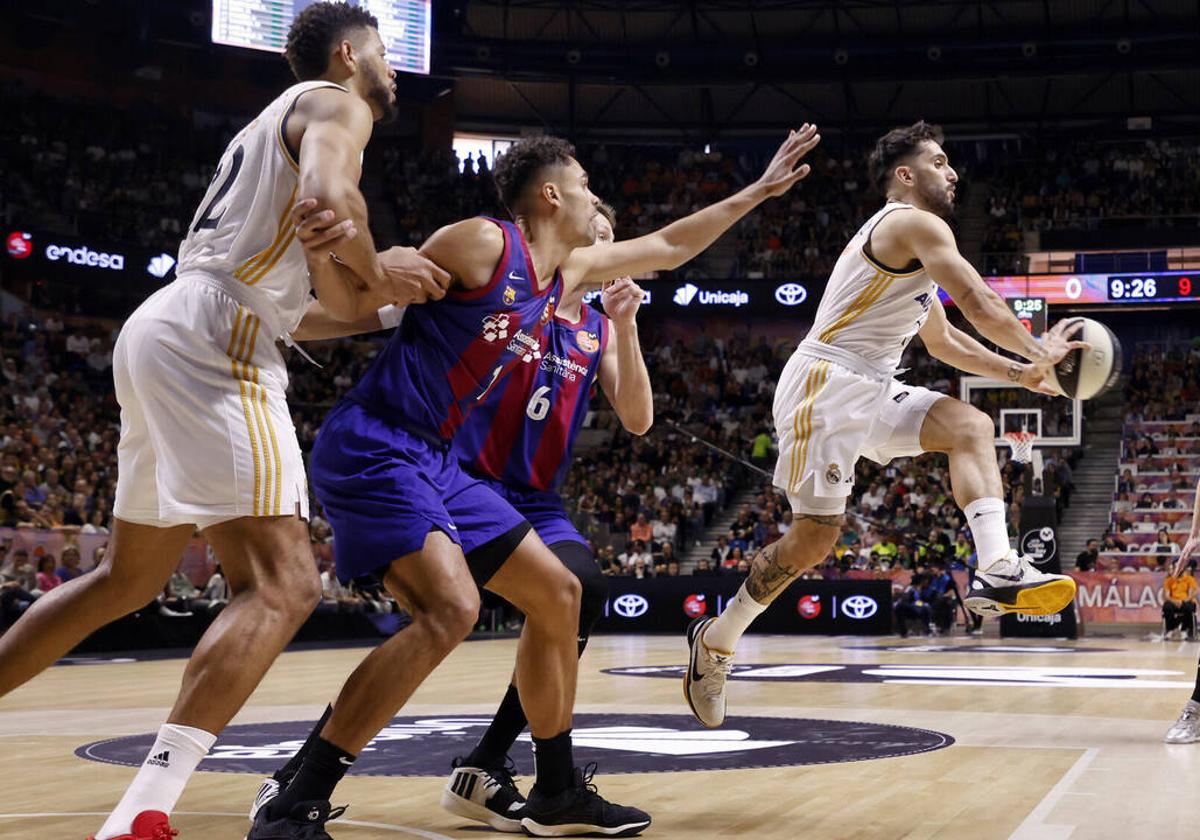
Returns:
(1035, 826)
(399, 829)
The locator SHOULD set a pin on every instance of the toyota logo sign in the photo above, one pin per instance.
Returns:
(630, 605)
(791, 294)
(859, 606)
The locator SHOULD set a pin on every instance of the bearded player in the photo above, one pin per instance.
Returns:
(206, 435)
(837, 400)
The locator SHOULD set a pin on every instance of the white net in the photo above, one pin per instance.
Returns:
(1021, 444)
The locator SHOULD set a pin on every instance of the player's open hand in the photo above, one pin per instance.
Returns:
(1056, 343)
(1035, 379)
(621, 300)
(1189, 548)
(783, 171)
(411, 277)
(318, 232)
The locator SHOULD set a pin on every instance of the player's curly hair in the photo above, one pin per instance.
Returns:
(517, 167)
(316, 30)
(897, 144)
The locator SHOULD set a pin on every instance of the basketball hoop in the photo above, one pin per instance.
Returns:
(1021, 444)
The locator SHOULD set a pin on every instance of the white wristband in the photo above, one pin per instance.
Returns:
(390, 316)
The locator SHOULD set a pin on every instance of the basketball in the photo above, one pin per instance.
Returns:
(1086, 373)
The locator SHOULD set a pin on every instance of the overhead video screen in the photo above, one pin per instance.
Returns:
(404, 25)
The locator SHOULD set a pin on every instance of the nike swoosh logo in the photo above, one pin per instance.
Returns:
(346, 761)
(512, 275)
(1013, 578)
(696, 675)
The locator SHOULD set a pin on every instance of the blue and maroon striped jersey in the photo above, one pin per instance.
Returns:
(523, 433)
(447, 356)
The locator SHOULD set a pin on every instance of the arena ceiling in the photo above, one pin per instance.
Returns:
(712, 68)
(708, 69)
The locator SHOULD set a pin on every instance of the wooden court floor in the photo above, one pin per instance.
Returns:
(1054, 742)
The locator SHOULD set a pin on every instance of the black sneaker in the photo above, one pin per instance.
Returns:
(486, 794)
(580, 810)
(306, 821)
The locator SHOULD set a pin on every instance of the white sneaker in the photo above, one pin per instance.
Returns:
(485, 795)
(1013, 585)
(704, 680)
(267, 791)
(1187, 729)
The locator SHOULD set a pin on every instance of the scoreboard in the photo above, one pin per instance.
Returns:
(1116, 289)
(404, 25)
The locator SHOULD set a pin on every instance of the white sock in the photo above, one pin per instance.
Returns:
(989, 529)
(160, 782)
(740, 612)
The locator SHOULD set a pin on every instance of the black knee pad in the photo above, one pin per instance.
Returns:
(579, 559)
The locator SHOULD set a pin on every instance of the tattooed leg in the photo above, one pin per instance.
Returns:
(804, 545)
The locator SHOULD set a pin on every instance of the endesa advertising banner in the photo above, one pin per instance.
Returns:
(668, 605)
(83, 260)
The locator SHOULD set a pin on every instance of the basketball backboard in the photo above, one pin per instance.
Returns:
(1057, 421)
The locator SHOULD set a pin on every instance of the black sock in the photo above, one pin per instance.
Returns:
(1196, 690)
(554, 763)
(290, 769)
(501, 734)
(319, 774)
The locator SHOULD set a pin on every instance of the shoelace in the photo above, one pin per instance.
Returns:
(719, 664)
(1189, 714)
(585, 777)
(164, 832)
(504, 776)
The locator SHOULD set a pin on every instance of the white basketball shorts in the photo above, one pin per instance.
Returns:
(206, 435)
(827, 415)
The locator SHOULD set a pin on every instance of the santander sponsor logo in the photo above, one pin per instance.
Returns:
(20, 244)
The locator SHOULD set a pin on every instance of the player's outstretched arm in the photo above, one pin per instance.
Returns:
(956, 348)
(318, 325)
(929, 239)
(623, 375)
(680, 241)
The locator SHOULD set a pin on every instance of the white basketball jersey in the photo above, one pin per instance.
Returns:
(242, 232)
(868, 310)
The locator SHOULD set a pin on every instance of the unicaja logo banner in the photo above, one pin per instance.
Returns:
(791, 294)
(83, 255)
(859, 607)
(685, 294)
(630, 605)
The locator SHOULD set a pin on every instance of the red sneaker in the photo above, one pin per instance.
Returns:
(149, 825)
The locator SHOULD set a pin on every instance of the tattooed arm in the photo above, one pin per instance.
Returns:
(769, 575)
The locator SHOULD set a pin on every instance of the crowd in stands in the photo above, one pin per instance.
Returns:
(74, 166)
(1154, 494)
(1086, 184)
